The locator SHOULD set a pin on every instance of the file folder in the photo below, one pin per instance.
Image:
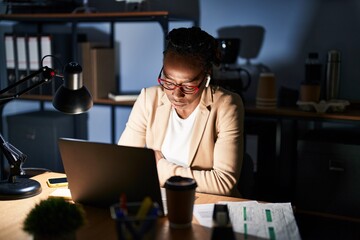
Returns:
(10, 60)
(59, 47)
(21, 60)
(46, 49)
(34, 61)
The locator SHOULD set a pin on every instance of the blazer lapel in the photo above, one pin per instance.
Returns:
(200, 122)
(161, 122)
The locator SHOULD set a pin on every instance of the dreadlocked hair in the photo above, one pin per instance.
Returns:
(196, 43)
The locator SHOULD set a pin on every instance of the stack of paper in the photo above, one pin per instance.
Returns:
(255, 220)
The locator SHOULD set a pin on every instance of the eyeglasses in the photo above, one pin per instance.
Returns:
(186, 89)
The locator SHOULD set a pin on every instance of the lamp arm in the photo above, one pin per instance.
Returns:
(15, 158)
(72, 98)
(47, 73)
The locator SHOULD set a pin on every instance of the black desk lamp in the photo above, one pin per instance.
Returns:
(71, 98)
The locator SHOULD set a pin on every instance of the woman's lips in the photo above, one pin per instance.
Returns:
(178, 104)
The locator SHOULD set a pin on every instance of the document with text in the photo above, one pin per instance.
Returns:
(255, 220)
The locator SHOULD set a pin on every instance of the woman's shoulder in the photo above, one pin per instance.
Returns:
(151, 94)
(152, 91)
(223, 95)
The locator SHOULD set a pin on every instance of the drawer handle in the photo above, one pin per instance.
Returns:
(336, 166)
(31, 135)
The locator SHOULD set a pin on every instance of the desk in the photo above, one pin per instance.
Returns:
(99, 223)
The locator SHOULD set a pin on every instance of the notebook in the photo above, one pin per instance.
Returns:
(98, 173)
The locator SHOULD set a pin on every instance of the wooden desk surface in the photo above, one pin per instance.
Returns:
(99, 223)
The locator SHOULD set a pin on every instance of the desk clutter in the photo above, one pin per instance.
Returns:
(135, 220)
(232, 214)
(324, 106)
(321, 93)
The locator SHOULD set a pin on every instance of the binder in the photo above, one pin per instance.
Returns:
(59, 46)
(10, 60)
(46, 49)
(22, 68)
(33, 61)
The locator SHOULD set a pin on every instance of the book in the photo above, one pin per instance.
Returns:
(122, 97)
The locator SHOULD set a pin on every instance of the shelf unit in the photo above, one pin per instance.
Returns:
(41, 19)
(162, 17)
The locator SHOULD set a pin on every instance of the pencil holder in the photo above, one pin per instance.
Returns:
(135, 223)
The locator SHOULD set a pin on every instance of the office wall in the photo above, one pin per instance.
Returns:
(293, 28)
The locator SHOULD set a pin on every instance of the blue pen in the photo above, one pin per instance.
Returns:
(151, 218)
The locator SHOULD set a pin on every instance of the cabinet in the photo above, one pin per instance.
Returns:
(317, 167)
(328, 170)
(36, 134)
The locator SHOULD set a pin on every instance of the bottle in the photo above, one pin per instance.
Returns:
(332, 75)
(312, 69)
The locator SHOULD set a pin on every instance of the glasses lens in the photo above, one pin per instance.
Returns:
(166, 84)
(172, 86)
(188, 89)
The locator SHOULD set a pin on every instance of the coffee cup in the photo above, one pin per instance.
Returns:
(266, 91)
(310, 93)
(266, 88)
(180, 197)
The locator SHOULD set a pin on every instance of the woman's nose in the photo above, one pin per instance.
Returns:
(177, 92)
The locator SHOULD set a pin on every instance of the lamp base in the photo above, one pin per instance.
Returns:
(21, 188)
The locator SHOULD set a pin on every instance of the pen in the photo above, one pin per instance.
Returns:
(149, 223)
(144, 208)
(123, 203)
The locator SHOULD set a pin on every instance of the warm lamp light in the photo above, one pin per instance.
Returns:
(71, 98)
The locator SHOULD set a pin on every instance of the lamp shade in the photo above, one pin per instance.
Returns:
(72, 97)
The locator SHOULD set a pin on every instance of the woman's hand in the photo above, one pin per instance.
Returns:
(158, 155)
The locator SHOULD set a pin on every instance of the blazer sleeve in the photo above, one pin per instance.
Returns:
(135, 129)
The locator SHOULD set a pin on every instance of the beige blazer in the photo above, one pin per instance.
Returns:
(216, 148)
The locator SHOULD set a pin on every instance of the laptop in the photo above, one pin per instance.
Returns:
(99, 173)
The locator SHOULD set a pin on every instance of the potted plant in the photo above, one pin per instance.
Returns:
(54, 218)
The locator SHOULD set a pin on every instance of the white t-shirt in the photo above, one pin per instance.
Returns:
(175, 147)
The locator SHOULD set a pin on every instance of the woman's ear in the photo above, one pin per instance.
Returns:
(208, 78)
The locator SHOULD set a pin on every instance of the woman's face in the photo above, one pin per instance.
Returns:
(185, 71)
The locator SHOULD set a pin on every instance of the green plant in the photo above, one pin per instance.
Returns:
(54, 216)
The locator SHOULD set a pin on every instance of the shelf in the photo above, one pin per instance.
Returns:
(103, 101)
(161, 17)
(91, 17)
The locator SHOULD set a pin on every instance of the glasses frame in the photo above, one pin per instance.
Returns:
(180, 86)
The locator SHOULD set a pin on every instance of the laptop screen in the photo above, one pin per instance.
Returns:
(99, 173)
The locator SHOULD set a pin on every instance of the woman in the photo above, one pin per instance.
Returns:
(196, 129)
